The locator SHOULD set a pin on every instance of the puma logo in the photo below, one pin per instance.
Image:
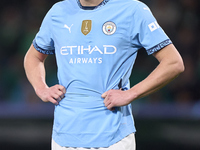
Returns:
(69, 28)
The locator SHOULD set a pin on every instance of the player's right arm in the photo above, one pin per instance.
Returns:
(35, 72)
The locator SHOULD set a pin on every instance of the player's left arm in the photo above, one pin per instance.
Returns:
(170, 66)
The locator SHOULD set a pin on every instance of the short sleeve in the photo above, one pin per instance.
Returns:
(43, 41)
(146, 31)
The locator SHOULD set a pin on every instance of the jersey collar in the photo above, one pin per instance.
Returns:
(92, 7)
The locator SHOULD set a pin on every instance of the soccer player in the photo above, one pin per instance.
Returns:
(95, 43)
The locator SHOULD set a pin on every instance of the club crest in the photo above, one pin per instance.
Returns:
(109, 28)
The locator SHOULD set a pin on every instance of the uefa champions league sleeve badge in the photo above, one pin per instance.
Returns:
(109, 28)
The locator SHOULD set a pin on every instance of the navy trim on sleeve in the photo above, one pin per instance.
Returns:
(41, 50)
(159, 46)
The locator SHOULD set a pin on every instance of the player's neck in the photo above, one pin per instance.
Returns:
(90, 2)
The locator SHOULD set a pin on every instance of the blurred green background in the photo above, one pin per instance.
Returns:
(168, 119)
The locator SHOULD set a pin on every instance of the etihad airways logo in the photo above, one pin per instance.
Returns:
(87, 53)
(70, 50)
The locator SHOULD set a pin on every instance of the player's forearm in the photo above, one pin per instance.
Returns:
(162, 75)
(35, 71)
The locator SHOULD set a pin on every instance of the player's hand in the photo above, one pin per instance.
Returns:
(52, 94)
(115, 98)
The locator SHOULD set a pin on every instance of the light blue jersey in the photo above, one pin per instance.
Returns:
(95, 49)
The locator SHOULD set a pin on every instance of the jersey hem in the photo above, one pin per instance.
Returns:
(62, 138)
(76, 144)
